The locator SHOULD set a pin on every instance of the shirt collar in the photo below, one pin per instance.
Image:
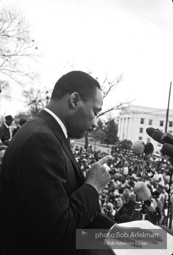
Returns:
(58, 120)
(6, 125)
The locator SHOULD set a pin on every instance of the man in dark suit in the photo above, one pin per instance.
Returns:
(5, 134)
(121, 213)
(44, 196)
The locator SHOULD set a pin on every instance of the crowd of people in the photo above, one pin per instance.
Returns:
(49, 187)
(118, 200)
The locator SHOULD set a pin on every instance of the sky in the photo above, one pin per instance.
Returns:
(132, 38)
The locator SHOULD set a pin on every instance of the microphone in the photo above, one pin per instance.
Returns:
(167, 138)
(150, 131)
(149, 148)
(140, 147)
(156, 134)
(167, 149)
(144, 194)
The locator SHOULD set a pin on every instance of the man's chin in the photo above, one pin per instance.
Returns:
(78, 136)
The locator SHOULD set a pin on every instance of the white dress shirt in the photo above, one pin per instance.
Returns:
(58, 120)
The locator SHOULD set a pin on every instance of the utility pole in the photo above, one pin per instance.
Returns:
(167, 112)
(0, 98)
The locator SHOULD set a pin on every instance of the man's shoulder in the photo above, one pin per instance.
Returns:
(123, 210)
(2, 127)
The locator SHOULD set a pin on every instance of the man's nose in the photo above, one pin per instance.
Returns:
(94, 124)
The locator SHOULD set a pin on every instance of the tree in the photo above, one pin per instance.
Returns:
(37, 99)
(97, 133)
(125, 144)
(105, 132)
(17, 49)
(107, 87)
(4, 86)
(25, 115)
(110, 132)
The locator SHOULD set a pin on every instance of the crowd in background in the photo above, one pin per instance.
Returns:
(7, 130)
(118, 200)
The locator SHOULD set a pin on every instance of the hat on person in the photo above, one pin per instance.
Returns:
(9, 117)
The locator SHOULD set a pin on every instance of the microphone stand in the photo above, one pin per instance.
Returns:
(144, 212)
(141, 207)
(141, 211)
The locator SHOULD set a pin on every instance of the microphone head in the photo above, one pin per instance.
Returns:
(142, 191)
(167, 138)
(150, 131)
(149, 148)
(167, 149)
(157, 136)
(138, 147)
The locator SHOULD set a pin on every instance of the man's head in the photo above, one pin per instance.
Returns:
(118, 201)
(9, 120)
(76, 99)
(109, 207)
(126, 193)
(22, 121)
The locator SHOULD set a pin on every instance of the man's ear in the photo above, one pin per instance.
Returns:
(74, 99)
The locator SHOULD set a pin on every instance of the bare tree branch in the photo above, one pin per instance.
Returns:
(115, 108)
(16, 47)
(109, 86)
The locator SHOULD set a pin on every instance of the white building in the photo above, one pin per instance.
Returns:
(134, 120)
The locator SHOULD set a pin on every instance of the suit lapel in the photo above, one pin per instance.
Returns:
(64, 142)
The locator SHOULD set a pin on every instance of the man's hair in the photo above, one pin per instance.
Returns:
(9, 117)
(75, 81)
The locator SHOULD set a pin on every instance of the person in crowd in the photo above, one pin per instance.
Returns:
(109, 210)
(5, 132)
(121, 213)
(21, 122)
(129, 203)
(158, 178)
(160, 206)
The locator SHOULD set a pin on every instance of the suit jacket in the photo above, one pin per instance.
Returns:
(4, 134)
(122, 215)
(130, 205)
(43, 197)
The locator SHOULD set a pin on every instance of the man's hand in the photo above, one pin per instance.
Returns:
(98, 175)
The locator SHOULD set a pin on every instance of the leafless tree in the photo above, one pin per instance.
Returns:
(108, 86)
(17, 49)
(37, 99)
